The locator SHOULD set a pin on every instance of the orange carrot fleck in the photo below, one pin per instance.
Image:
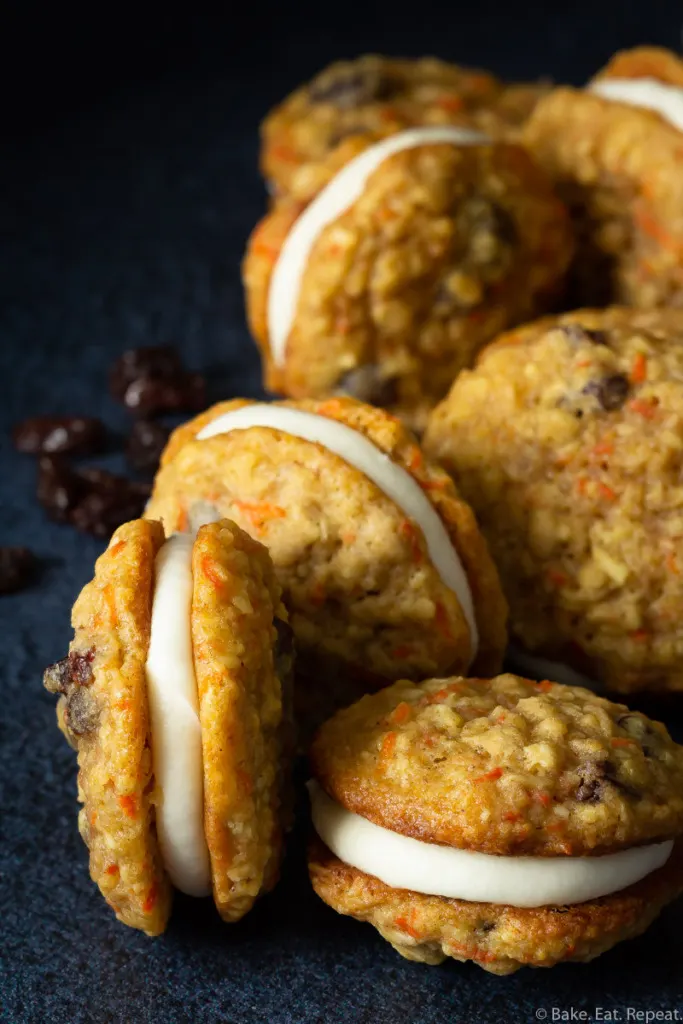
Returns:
(388, 744)
(109, 595)
(416, 460)
(453, 104)
(434, 485)
(639, 369)
(260, 513)
(581, 485)
(407, 927)
(558, 579)
(209, 569)
(387, 114)
(284, 153)
(512, 816)
(491, 776)
(583, 363)
(672, 563)
(645, 409)
(556, 826)
(411, 533)
(182, 521)
(348, 537)
(129, 805)
(150, 901)
(401, 713)
(543, 798)
(640, 635)
(607, 492)
(622, 741)
(544, 685)
(332, 407)
(113, 869)
(604, 448)
(122, 705)
(428, 740)
(115, 548)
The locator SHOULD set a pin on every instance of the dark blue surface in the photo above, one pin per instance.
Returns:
(127, 195)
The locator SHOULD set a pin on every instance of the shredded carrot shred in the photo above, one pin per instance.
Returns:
(260, 513)
(512, 816)
(113, 869)
(491, 776)
(543, 799)
(115, 548)
(129, 805)
(672, 563)
(182, 521)
(408, 530)
(388, 744)
(622, 741)
(284, 153)
(453, 104)
(150, 901)
(416, 459)
(210, 570)
(639, 369)
(544, 685)
(607, 492)
(604, 448)
(581, 485)
(645, 409)
(407, 927)
(332, 407)
(401, 713)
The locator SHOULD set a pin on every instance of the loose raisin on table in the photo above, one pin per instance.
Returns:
(153, 380)
(16, 568)
(52, 435)
(92, 500)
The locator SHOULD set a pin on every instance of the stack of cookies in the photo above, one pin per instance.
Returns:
(457, 469)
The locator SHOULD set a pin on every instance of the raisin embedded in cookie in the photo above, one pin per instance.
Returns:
(373, 97)
(410, 258)
(565, 439)
(382, 566)
(502, 821)
(615, 150)
(177, 646)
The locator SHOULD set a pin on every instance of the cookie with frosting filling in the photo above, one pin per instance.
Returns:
(415, 251)
(373, 97)
(565, 438)
(502, 821)
(174, 694)
(383, 568)
(614, 150)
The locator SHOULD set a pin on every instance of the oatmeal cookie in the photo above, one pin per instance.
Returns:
(423, 248)
(566, 439)
(177, 646)
(615, 150)
(504, 821)
(373, 97)
(382, 565)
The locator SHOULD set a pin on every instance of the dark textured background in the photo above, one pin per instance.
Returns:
(128, 187)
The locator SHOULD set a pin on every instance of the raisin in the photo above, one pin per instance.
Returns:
(346, 88)
(485, 927)
(366, 384)
(80, 666)
(152, 380)
(145, 444)
(81, 712)
(92, 500)
(591, 782)
(611, 392)
(578, 334)
(17, 565)
(52, 435)
(57, 677)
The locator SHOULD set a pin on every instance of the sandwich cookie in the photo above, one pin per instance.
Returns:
(174, 694)
(565, 438)
(502, 821)
(614, 150)
(382, 566)
(415, 253)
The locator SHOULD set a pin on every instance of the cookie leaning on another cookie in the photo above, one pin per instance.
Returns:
(502, 821)
(382, 565)
(178, 645)
(411, 257)
(566, 439)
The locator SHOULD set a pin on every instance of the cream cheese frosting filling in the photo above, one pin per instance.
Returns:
(344, 189)
(405, 863)
(649, 93)
(175, 726)
(392, 479)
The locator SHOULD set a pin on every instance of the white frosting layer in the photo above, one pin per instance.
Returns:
(405, 863)
(395, 481)
(176, 731)
(534, 667)
(666, 100)
(344, 189)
